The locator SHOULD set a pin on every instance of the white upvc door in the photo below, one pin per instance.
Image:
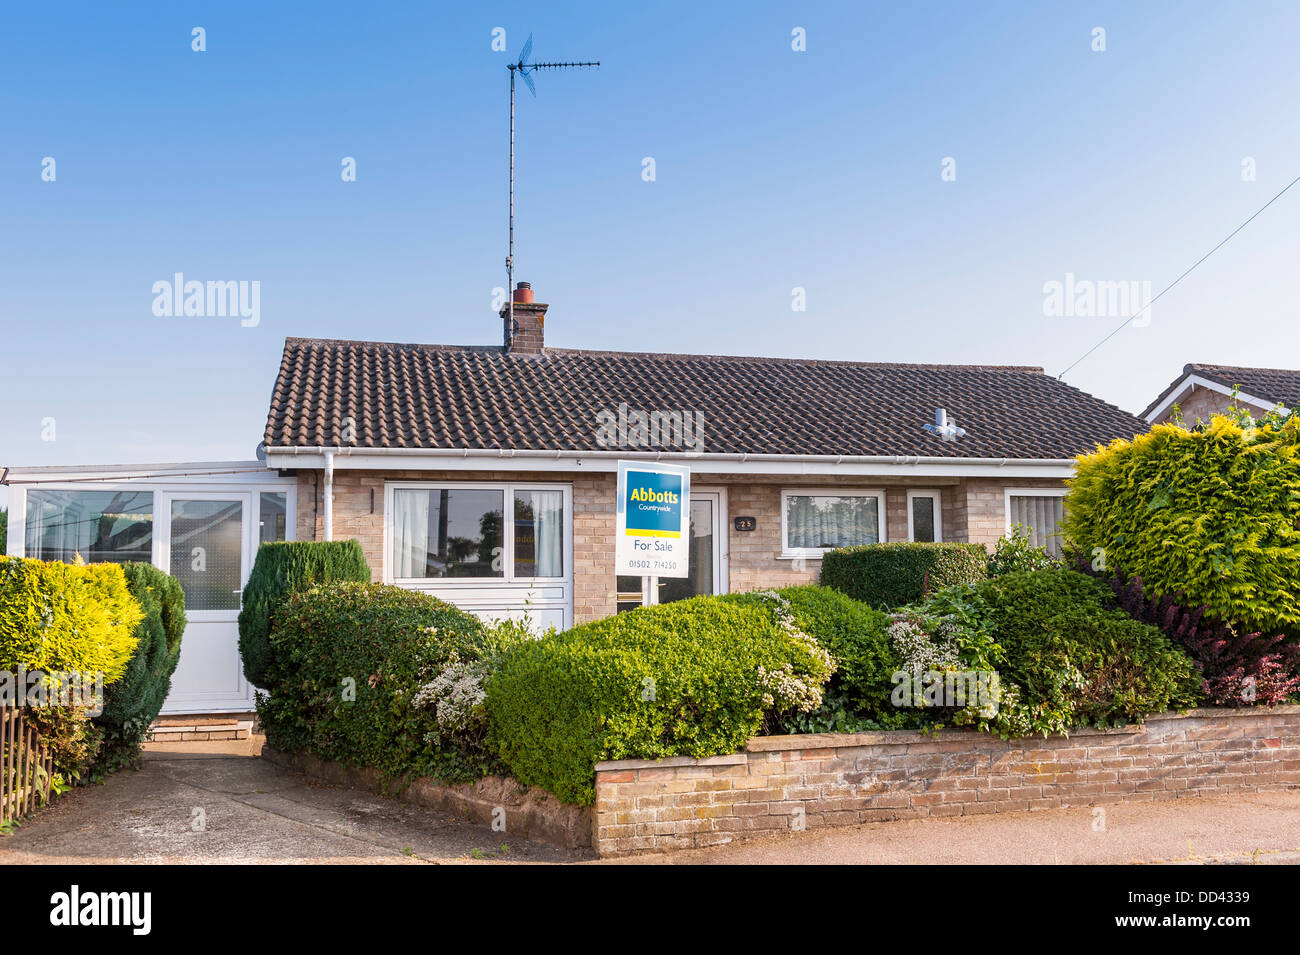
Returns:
(206, 540)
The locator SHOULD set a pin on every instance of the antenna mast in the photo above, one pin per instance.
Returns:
(525, 71)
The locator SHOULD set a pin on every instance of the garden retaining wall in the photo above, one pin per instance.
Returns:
(788, 783)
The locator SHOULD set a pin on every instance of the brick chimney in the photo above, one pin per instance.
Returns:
(528, 337)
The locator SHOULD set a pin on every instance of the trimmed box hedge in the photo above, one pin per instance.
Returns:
(892, 575)
(283, 568)
(681, 679)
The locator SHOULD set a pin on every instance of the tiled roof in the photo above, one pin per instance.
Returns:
(480, 398)
(1274, 385)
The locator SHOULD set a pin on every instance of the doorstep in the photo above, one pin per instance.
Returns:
(200, 727)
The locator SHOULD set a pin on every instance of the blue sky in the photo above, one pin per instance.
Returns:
(775, 169)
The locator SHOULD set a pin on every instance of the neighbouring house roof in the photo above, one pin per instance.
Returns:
(479, 398)
(1271, 386)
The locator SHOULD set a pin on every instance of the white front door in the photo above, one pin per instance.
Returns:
(206, 541)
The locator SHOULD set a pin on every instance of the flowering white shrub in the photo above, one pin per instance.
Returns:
(456, 697)
(919, 650)
(783, 690)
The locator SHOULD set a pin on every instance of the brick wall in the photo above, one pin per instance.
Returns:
(788, 783)
(972, 510)
(1204, 403)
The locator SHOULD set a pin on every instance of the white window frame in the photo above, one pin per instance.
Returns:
(165, 485)
(508, 577)
(816, 553)
(1010, 492)
(934, 494)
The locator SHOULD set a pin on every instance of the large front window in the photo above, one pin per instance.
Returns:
(814, 522)
(99, 526)
(459, 532)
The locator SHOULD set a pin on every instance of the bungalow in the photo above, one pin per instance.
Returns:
(486, 475)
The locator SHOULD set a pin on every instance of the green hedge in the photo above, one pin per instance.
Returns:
(69, 618)
(891, 575)
(66, 617)
(133, 702)
(283, 568)
(1076, 659)
(358, 655)
(681, 679)
(1210, 514)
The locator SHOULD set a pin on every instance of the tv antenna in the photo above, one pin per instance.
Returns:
(525, 71)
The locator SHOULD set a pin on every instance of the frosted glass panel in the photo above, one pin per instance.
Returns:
(206, 548)
(923, 520)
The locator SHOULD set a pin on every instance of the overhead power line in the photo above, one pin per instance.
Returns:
(1188, 272)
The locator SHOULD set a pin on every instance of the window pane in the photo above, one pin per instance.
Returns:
(1040, 515)
(447, 532)
(274, 516)
(923, 519)
(539, 534)
(101, 526)
(207, 549)
(824, 520)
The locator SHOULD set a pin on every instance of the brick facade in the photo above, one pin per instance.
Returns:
(788, 783)
(972, 509)
(1203, 403)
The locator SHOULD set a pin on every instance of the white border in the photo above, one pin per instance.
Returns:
(934, 494)
(442, 460)
(508, 578)
(816, 553)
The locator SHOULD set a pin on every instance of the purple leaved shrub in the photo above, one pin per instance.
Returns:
(1237, 670)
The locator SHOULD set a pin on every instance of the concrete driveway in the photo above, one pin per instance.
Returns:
(220, 802)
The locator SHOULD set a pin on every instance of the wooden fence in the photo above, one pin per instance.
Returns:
(25, 766)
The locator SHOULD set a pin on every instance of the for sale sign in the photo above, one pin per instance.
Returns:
(653, 534)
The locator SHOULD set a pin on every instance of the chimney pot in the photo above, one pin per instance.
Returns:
(527, 337)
